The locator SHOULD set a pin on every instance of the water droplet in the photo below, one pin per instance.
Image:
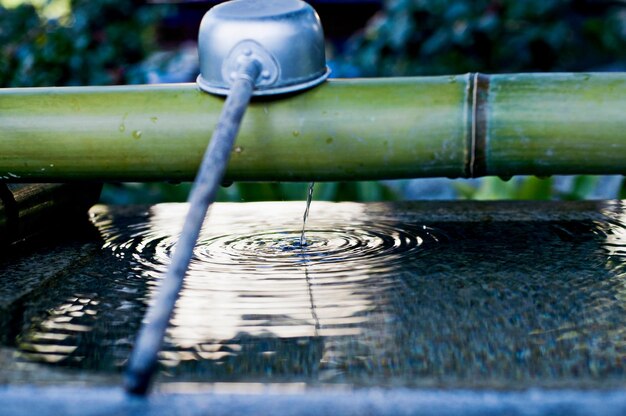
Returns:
(137, 134)
(295, 133)
(238, 149)
(122, 128)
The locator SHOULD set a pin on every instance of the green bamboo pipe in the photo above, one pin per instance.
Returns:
(455, 126)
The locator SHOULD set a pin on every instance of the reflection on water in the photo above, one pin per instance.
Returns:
(376, 297)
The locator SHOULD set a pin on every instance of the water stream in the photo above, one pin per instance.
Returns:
(383, 295)
(309, 198)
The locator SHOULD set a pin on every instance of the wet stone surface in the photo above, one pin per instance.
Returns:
(453, 295)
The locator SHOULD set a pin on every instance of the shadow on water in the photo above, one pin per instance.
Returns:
(398, 295)
(36, 264)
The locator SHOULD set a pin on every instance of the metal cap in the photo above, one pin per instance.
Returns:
(284, 36)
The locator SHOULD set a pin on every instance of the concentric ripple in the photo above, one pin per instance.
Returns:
(250, 275)
(347, 249)
(272, 243)
(374, 297)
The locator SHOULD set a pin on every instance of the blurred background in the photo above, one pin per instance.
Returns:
(108, 42)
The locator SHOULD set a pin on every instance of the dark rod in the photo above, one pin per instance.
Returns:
(143, 360)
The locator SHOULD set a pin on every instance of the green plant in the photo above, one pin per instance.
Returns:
(96, 43)
(432, 37)
(515, 188)
(135, 193)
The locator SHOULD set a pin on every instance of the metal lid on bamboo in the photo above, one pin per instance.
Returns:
(284, 36)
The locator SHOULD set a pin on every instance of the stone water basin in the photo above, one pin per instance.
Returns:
(392, 305)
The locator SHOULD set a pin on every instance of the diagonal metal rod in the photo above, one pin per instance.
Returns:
(143, 360)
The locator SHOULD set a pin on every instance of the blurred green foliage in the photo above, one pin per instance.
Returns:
(98, 43)
(150, 193)
(436, 37)
(530, 188)
(497, 188)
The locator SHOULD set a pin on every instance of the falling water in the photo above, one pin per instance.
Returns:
(306, 214)
(399, 294)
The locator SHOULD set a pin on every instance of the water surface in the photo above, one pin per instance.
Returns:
(463, 295)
